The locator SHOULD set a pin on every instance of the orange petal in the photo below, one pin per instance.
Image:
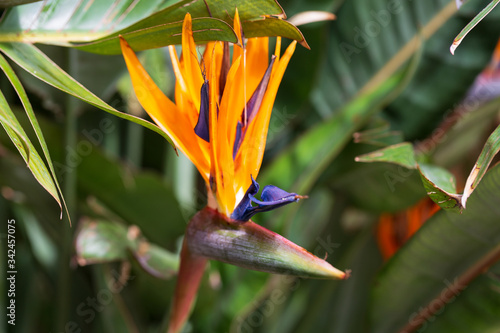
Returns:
(227, 121)
(221, 163)
(191, 67)
(215, 181)
(249, 158)
(232, 102)
(277, 49)
(237, 49)
(213, 50)
(164, 112)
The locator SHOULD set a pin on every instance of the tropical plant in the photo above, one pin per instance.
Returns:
(392, 138)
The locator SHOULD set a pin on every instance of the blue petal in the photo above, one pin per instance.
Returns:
(237, 139)
(272, 197)
(201, 128)
(241, 211)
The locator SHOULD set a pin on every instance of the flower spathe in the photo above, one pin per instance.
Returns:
(221, 113)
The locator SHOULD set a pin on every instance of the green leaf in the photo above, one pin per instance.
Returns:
(380, 187)
(359, 58)
(39, 65)
(472, 24)
(474, 309)
(430, 98)
(400, 154)
(444, 248)
(490, 150)
(9, 72)
(440, 186)
(357, 62)
(340, 307)
(204, 29)
(165, 27)
(23, 144)
(146, 24)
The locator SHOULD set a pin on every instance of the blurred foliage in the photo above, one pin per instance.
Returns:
(381, 72)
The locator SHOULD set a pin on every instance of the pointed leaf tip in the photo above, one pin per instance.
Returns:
(251, 246)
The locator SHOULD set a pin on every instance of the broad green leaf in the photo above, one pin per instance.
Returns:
(359, 59)
(442, 80)
(204, 29)
(472, 24)
(26, 149)
(9, 72)
(444, 248)
(474, 309)
(95, 26)
(490, 150)
(400, 154)
(340, 308)
(39, 65)
(379, 37)
(380, 187)
(438, 182)
(165, 26)
(440, 186)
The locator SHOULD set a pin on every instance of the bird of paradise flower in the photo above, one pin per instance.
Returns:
(220, 121)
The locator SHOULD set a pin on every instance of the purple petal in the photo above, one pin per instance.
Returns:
(241, 211)
(201, 129)
(253, 104)
(272, 197)
(226, 64)
(237, 139)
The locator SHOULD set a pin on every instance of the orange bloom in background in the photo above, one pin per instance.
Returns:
(395, 229)
(221, 115)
